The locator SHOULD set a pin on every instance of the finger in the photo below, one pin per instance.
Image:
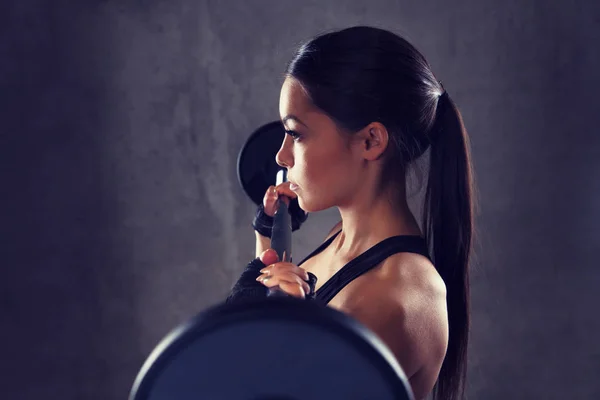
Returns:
(269, 201)
(271, 280)
(269, 256)
(280, 267)
(293, 289)
(275, 280)
(274, 193)
(284, 189)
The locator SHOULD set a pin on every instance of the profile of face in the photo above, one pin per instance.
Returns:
(320, 159)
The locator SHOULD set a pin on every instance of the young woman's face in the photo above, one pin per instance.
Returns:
(318, 158)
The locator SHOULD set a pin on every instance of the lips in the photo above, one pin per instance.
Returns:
(293, 186)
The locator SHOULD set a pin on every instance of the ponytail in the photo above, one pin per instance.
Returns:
(363, 74)
(448, 228)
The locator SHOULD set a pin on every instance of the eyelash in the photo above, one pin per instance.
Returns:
(295, 135)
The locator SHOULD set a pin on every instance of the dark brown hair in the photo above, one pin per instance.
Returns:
(362, 75)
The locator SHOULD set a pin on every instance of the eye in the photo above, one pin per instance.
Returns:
(295, 135)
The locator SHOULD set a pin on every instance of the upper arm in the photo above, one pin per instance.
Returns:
(409, 317)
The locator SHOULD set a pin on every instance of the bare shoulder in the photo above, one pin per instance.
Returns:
(419, 290)
(412, 274)
(404, 302)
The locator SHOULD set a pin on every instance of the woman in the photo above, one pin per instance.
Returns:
(359, 106)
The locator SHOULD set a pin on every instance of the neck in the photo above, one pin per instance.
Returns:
(369, 220)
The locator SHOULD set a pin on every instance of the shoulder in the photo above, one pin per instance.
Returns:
(410, 274)
(404, 302)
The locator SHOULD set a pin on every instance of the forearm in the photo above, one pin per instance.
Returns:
(262, 243)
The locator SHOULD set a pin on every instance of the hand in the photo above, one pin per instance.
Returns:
(290, 278)
(273, 193)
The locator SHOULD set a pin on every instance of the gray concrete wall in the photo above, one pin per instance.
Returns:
(120, 126)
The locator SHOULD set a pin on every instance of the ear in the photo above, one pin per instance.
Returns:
(372, 141)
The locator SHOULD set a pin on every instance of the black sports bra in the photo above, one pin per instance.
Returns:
(366, 261)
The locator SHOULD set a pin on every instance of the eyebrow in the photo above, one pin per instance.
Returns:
(293, 118)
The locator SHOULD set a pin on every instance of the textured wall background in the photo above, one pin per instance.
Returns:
(120, 125)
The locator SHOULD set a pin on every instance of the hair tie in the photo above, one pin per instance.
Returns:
(443, 96)
(436, 129)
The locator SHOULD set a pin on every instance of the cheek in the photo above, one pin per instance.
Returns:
(309, 168)
(322, 179)
(308, 172)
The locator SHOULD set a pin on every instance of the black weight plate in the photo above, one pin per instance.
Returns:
(279, 348)
(256, 165)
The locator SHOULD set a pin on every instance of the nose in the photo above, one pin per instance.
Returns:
(284, 156)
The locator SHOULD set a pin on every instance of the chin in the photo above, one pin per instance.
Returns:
(310, 207)
(303, 205)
